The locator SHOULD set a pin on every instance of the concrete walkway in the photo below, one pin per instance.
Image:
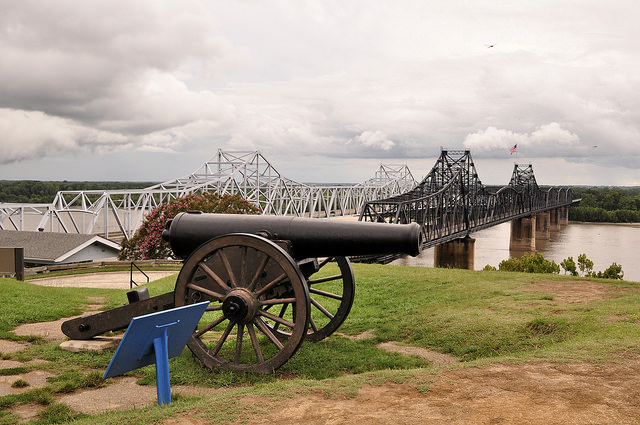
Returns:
(109, 280)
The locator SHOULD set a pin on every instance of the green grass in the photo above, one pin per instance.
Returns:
(478, 317)
(23, 302)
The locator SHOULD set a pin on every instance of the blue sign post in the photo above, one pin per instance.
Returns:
(155, 338)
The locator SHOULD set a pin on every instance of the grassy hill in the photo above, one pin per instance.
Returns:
(480, 318)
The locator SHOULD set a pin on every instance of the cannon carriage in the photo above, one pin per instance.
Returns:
(272, 282)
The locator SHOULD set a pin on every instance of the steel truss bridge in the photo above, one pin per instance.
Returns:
(451, 202)
(118, 214)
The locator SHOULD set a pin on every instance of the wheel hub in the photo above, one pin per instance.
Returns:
(239, 306)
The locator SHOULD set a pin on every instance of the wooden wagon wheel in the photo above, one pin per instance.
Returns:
(243, 276)
(331, 298)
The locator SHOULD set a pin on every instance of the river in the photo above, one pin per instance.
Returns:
(603, 244)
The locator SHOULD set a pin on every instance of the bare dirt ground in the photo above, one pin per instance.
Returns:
(498, 394)
(534, 393)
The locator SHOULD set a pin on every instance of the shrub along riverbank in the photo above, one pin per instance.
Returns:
(536, 263)
(477, 317)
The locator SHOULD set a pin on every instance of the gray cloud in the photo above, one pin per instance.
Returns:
(333, 81)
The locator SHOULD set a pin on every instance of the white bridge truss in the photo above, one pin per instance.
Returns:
(119, 213)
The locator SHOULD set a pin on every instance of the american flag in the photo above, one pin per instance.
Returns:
(513, 149)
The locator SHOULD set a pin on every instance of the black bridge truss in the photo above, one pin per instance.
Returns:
(451, 202)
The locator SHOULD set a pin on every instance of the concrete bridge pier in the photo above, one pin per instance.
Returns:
(563, 216)
(523, 234)
(554, 220)
(456, 254)
(543, 231)
(558, 218)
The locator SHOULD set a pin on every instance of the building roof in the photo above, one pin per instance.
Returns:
(51, 246)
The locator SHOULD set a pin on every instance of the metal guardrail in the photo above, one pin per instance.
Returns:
(131, 281)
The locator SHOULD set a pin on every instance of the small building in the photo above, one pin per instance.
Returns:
(46, 248)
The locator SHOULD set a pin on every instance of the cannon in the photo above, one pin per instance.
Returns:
(272, 282)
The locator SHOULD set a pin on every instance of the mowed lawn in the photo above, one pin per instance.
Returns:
(475, 316)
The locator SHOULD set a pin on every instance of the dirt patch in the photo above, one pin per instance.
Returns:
(359, 337)
(49, 331)
(574, 291)
(437, 359)
(500, 394)
(7, 347)
(52, 331)
(123, 393)
(27, 411)
(119, 394)
(35, 379)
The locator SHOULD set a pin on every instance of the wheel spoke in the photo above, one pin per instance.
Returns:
(227, 266)
(216, 307)
(275, 301)
(255, 343)
(283, 309)
(243, 264)
(321, 308)
(210, 326)
(260, 279)
(324, 279)
(271, 284)
(325, 294)
(313, 325)
(265, 330)
(239, 343)
(259, 270)
(276, 319)
(209, 292)
(205, 268)
(222, 339)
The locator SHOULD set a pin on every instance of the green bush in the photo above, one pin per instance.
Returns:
(569, 266)
(585, 265)
(614, 271)
(529, 263)
(147, 243)
(536, 263)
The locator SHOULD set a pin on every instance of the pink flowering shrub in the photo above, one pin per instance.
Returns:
(147, 243)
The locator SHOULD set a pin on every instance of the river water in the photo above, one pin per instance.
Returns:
(603, 244)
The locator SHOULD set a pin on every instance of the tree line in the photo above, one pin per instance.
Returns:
(606, 204)
(39, 192)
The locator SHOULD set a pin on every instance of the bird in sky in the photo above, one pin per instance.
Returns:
(490, 46)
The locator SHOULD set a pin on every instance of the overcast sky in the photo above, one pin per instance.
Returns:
(326, 90)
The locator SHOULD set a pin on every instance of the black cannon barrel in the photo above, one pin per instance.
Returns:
(310, 237)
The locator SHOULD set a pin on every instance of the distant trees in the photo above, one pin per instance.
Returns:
(147, 243)
(607, 204)
(36, 192)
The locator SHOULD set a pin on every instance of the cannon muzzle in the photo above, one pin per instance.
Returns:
(309, 237)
